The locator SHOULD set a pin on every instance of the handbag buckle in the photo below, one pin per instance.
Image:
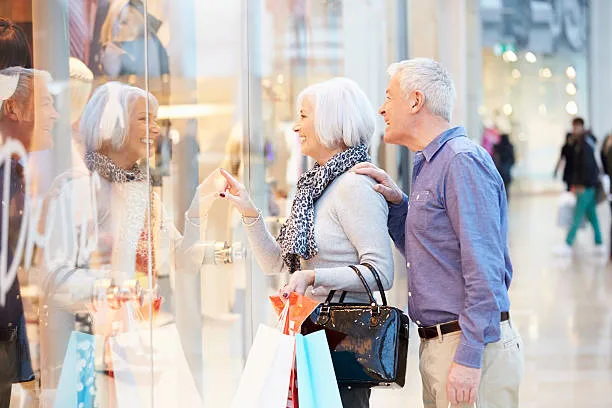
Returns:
(324, 314)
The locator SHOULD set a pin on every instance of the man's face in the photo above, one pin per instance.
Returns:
(45, 116)
(577, 128)
(31, 121)
(397, 112)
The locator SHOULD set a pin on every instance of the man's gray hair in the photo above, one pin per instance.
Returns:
(343, 113)
(430, 78)
(24, 89)
(105, 118)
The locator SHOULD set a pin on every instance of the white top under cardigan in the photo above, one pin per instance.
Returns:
(350, 224)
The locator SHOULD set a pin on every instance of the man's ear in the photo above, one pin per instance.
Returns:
(417, 101)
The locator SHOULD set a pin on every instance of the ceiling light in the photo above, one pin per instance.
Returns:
(507, 108)
(545, 73)
(516, 74)
(570, 72)
(571, 108)
(509, 56)
(571, 89)
(530, 57)
(542, 109)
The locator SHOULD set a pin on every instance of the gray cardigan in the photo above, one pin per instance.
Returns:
(350, 228)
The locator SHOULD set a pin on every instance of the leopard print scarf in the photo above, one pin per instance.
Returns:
(105, 167)
(296, 237)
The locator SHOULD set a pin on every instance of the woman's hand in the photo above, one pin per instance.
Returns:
(206, 193)
(299, 282)
(237, 194)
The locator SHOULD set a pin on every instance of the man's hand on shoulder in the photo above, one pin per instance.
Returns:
(386, 186)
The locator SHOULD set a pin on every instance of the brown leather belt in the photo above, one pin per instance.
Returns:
(431, 332)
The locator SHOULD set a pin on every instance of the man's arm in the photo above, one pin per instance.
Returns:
(473, 202)
(396, 223)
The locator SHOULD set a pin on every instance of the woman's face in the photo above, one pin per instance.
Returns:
(136, 142)
(305, 128)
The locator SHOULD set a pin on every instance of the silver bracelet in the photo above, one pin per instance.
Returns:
(254, 219)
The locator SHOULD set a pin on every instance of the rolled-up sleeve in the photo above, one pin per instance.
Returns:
(473, 202)
(396, 223)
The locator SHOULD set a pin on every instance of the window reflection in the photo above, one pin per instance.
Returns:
(123, 216)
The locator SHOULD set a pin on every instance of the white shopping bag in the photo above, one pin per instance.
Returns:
(265, 379)
(168, 378)
(566, 209)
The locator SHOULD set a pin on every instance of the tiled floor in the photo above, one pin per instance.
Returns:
(562, 308)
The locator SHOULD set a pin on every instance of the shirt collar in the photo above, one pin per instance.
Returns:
(430, 151)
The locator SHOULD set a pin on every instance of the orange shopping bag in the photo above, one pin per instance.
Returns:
(291, 319)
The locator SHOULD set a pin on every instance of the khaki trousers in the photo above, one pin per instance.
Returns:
(502, 369)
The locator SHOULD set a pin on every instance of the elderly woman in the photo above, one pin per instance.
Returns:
(337, 219)
(127, 232)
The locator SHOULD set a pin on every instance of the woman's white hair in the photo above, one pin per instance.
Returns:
(343, 113)
(81, 83)
(430, 78)
(106, 115)
(17, 83)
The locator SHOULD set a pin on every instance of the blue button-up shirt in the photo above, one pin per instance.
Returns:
(453, 233)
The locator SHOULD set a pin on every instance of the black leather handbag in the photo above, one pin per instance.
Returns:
(368, 342)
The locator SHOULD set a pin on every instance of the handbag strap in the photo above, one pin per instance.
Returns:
(376, 278)
(365, 284)
(378, 282)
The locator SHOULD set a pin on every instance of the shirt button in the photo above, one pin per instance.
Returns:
(408, 265)
(409, 294)
(417, 322)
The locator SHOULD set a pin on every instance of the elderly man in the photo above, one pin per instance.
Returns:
(452, 231)
(26, 116)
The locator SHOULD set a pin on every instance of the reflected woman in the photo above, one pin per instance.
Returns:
(129, 233)
(337, 219)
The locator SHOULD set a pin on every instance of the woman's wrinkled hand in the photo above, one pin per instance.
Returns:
(299, 282)
(238, 195)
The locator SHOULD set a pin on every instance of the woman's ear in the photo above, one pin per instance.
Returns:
(10, 110)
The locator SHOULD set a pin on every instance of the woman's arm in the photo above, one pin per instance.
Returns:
(265, 248)
(362, 213)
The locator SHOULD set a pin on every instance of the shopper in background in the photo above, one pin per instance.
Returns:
(337, 219)
(606, 161)
(453, 232)
(583, 181)
(503, 157)
(567, 155)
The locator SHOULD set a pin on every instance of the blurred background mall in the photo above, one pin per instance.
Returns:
(226, 75)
